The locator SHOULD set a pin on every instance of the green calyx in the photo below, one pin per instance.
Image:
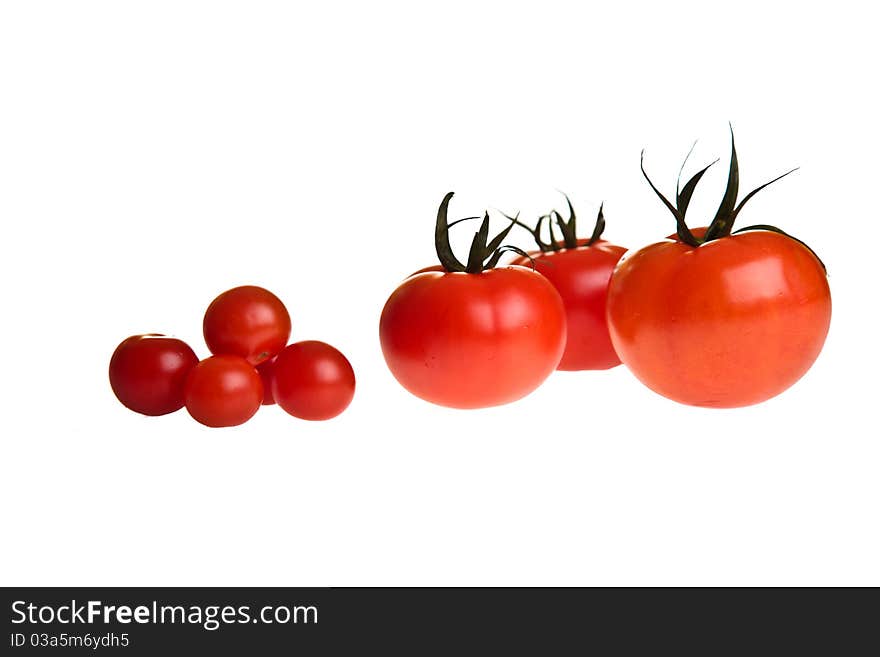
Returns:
(728, 210)
(568, 228)
(484, 253)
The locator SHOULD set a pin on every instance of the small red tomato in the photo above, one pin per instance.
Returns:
(247, 321)
(312, 380)
(148, 372)
(580, 271)
(223, 391)
(265, 370)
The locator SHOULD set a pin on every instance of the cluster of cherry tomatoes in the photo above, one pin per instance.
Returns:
(709, 317)
(246, 329)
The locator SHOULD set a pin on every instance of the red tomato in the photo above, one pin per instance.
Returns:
(730, 323)
(247, 321)
(473, 340)
(223, 391)
(579, 270)
(148, 372)
(467, 335)
(312, 380)
(719, 318)
(581, 277)
(265, 370)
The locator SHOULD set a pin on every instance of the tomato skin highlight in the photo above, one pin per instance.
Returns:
(473, 340)
(581, 277)
(312, 380)
(223, 391)
(247, 321)
(148, 373)
(730, 323)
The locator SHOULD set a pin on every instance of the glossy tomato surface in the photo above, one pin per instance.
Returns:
(223, 391)
(312, 380)
(247, 321)
(473, 340)
(148, 372)
(581, 277)
(729, 323)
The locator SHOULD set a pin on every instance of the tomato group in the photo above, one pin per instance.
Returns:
(716, 317)
(247, 321)
(223, 391)
(709, 317)
(469, 337)
(245, 328)
(148, 372)
(312, 380)
(579, 269)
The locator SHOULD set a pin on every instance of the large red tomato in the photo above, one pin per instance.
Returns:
(472, 336)
(148, 372)
(719, 318)
(247, 321)
(580, 271)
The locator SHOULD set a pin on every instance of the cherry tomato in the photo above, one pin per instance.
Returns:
(223, 391)
(148, 372)
(312, 380)
(718, 318)
(247, 321)
(265, 370)
(580, 269)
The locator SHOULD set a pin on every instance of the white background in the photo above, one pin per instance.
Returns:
(154, 154)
